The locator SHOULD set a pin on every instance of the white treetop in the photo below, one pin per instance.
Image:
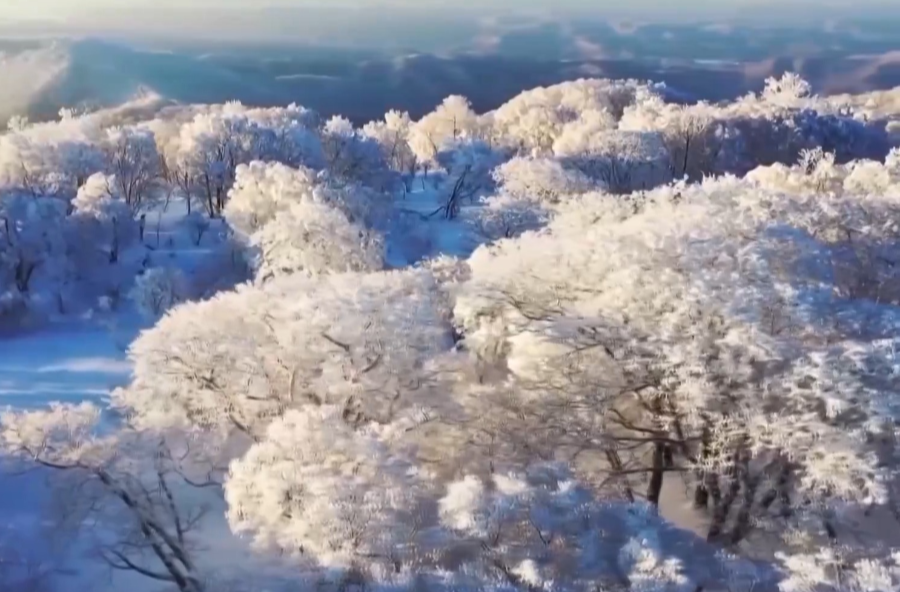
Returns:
(356, 340)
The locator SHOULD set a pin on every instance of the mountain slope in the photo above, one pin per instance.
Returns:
(40, 77)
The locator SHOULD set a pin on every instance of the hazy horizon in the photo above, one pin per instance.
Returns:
(359, 60)
(317, 21)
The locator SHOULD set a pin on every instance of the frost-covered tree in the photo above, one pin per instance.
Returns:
(292, 221)
(353, 156)
(317, 488)
(157, 290)
(392, 135)
(127, 485)
(469, 166)
(211, 147)
(354, 340)
(197, 226)
(211, 150)
(504, 216)
(523, 419)
(701, 343)
(57, 256)
(771, 127)
(45, 161)
(540, 527)
(528, 190)
(780, 137)
(535, 119)
(134, 163)
(103, 242)
(622, 161)
(788, 90)
(264, 190)
(314, 238)
(453, 119)
(103, 217)
(543, 180)
(337, 499)
(34, 263)
(693, 137)
(832, 570)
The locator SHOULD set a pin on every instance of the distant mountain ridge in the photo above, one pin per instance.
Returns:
(40, 77)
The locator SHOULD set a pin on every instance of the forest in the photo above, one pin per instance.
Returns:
(591, 341)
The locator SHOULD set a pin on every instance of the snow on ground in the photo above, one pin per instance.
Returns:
(71, 362)
(74, 360)
(421, 233)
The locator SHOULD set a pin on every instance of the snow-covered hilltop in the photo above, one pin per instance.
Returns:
(591, 340)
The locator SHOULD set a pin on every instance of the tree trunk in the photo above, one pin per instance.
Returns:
(615, 463)
(701, 491)
(656, 474)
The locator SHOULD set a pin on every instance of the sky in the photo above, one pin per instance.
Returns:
(262, 18)
(83, 10)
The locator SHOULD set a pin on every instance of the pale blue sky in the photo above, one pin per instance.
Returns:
(248, 19)
(85, 9)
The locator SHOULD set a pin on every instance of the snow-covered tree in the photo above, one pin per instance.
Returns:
(339, 498)
(314, 238)
(788, 90)
(157, 290)
(103, 241)
(528, 190)
(540, 528)
(622, 161)
(34, 261)
(453, 119)
(534, 120)
(504, 216)
(625, 349)
(392, 135)
(211, 147)
(316, 488)
(693, 137)
(104, 217)
(211, 150)
(355, 340)
(830, 570)
(542, 180)
(295, 220)
(772, 127)
(263, 190)
(197, 226)
(46, 166)
(353, 156)
(469, 166)
(133, 163)
(126, 483)
(696, 337)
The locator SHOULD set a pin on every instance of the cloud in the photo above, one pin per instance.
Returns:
(89, 365)
(26, 73)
